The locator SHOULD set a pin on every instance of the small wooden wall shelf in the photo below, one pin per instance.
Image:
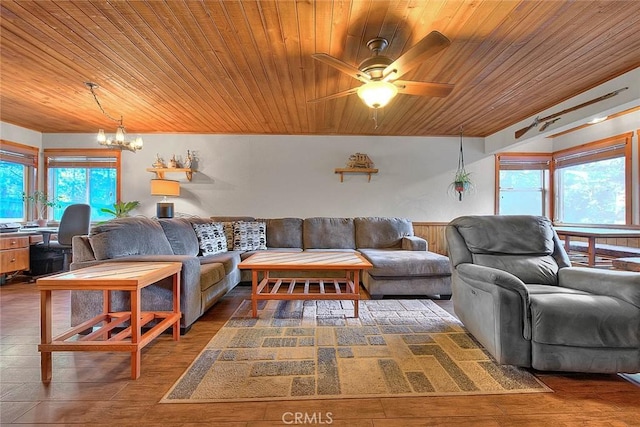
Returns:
(161, 171)
(368, 171)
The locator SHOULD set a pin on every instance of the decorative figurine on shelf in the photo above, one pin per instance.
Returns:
(359, 160)
(188, 160)
(158, 163)
(173, 163)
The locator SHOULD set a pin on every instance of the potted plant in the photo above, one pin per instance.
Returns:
(461, 182)
(42, 203)
(121, 209)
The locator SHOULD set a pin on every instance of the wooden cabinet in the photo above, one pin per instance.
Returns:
(14, 253)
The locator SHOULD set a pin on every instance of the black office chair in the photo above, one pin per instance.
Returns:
(75, 221)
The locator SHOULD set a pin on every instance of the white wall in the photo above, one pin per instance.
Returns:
(277, 176)
(21, 135)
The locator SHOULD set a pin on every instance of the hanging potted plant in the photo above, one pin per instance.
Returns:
(462, 180)
(461, 183)
(42, 203)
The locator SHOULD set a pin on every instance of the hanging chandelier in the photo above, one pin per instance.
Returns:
(120, 139)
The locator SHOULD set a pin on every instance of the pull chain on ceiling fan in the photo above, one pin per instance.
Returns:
(380, 74)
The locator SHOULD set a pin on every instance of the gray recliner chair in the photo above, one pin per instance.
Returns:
(516, 292)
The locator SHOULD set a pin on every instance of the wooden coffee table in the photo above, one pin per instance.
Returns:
(116, 276)
(279, 288)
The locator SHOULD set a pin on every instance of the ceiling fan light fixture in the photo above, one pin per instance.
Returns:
(377, 94)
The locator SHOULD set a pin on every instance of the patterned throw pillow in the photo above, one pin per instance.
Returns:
(211, 238)
(249, 236)
(228, 232)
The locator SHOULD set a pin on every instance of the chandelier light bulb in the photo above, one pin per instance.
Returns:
(377, 94)
(101, 136)
(120, 134)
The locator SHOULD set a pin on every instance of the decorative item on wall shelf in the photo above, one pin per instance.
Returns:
(159, 163)
(160, 168)
(188, 160)
(173, 163)
(462, 180)
(358, 163)
(120, 140)
(41, 202)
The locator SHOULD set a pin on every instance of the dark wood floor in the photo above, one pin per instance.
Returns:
(95, 388)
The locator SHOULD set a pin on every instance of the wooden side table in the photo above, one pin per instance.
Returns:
(117, 276)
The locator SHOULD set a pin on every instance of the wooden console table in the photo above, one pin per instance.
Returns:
(270, 288)
(116, 276)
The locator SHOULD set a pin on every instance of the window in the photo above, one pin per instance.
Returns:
(522, 183)
(90, 176)
(593, 182)
(18, 166)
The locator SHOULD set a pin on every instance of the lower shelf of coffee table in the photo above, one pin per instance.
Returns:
(306, 288)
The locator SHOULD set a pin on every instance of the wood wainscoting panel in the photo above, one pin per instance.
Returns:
(433, 233)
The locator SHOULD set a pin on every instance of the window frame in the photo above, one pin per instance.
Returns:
(88, 153)
(526, 159)
(603, 149)
(28, 156)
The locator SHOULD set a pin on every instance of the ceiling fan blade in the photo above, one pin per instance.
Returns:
(433, 43)
(439, 90)
(335, 95)
(341, 66)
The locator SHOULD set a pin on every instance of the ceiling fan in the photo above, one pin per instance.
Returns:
(379, 74)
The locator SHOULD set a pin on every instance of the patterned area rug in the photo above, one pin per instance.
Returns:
(316, 350)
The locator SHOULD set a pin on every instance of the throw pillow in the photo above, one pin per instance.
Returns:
(211, 238)
(228, 232)
(249, 236)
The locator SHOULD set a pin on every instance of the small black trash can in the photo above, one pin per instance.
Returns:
(43, 260)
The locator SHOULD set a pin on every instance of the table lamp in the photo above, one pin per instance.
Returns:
(164, 187)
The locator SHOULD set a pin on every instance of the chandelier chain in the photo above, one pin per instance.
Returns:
(95, 97)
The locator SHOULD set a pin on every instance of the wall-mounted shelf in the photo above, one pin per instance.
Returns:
(368, 171)
(161, 171)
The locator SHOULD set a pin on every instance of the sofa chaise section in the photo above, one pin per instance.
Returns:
(402, 264)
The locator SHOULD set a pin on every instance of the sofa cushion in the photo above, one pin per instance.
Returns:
(397, 262)
(284, 232)
(509, 234)
(181, 236)
(328, 233)
(129, 236)
(584, 321)
(381, 233)
(211, 238)
(249, 236)
(229, 260)
(210, 274)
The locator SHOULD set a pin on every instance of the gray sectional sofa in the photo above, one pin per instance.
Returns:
(402, 265)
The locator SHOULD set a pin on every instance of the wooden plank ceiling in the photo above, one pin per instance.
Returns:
(245, 67)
